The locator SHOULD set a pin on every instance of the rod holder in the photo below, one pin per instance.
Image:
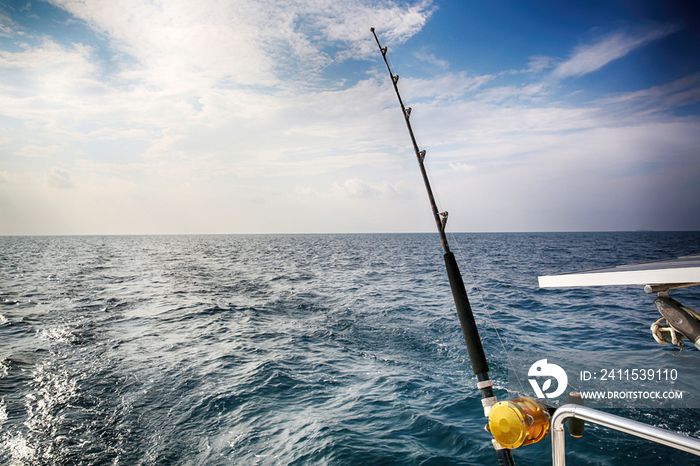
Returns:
(576, 426)
(628, 426)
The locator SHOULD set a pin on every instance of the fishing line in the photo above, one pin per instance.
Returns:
(480, 293)
(476, 285)
(483, 303)
(247, 127)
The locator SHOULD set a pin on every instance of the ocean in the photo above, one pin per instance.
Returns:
(305, 349)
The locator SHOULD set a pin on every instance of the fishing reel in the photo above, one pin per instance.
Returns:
(524, 421)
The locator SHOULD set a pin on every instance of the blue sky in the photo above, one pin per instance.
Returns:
(168, 117)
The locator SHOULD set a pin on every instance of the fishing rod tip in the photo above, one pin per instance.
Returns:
(371, 29)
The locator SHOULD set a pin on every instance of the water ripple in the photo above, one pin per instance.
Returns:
(296, 349)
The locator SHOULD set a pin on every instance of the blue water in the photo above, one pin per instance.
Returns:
(301, 349)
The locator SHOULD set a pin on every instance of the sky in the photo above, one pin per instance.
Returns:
(227, 117)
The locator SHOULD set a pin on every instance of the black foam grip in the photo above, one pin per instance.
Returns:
(505, 458)
(466, 317)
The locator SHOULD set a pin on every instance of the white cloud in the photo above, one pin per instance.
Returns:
(34, 151)
(356, 188)
(462, 167)
(425, 56)
(394, 23)
(539, 63)
(196, 117)
(443, 86)
(203, 74)
(678, 93)
(59, 178)
(6, 26)
(507, 93)
(588, 58)
(179, 43)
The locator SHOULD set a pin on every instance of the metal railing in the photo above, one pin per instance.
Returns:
(645, 431)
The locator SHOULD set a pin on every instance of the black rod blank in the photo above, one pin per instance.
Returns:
(420, 155)
(459, 293)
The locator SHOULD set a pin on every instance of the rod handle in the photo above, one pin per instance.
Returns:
(466, 316)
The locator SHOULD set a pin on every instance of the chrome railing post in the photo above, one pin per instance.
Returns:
(638, 429)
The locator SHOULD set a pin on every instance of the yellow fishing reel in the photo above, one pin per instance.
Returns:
(524, 421)
(518, 422)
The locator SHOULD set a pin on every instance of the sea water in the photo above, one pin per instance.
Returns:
(303, 349)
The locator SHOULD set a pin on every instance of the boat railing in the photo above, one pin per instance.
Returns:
(638, 429)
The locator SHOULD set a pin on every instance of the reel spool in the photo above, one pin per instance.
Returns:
(518, 422)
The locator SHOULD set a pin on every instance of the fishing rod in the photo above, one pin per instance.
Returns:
(466, 317)
(522, 421)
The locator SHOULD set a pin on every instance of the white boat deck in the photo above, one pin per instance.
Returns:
(664, 272)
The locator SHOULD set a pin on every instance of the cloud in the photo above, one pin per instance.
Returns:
(425, 56)
(505, 93)
(53, 88)
(678, 93)
(6, 26)
(197, 104)
(59, 178)
(589, 58)
(462, 167)
(189, 81)
(539, 63)
(356, 188)
(34, 151)
(443, 86)
(46, 67)
(394, 23)
(179, 43)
